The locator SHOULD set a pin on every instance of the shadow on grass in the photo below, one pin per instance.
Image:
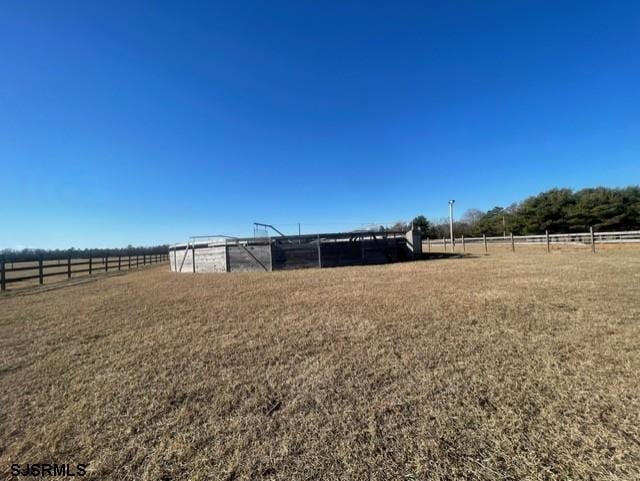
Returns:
(447, 255)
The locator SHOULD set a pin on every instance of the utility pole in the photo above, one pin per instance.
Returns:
(453, 244)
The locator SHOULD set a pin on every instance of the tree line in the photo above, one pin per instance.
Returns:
(558, 211)
(15, 255)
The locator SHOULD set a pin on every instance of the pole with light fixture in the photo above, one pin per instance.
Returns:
(453, 242)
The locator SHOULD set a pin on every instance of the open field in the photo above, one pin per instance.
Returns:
(508, 366)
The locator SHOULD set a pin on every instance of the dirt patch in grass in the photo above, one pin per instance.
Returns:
(508, 366)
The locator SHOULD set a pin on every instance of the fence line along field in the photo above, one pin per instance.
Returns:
(24, 273)
(589, 239)
(518, 367)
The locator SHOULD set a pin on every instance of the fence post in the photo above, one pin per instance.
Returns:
(193, 256)
(119, 261)
(40, 271)
(137, 260)
(546, 233)
(444, 243)
(69, 267)
(464, 249)
(593, 240)
(90, 263)
(144, 259)
(513, 245)
(428, 245)
(484, 239)
(3, 278)
(106, 264)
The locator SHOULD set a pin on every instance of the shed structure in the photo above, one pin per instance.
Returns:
(217, 254)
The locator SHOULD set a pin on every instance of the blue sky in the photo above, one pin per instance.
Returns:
(147, 122)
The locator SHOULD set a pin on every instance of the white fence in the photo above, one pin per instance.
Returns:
(582, 238)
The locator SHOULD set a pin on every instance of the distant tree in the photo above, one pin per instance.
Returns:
(563, 210)
(472, 216)
(48, 254)
(492, 223)
(421, 223)
(605, 209)
(400, 226)
(546, 211)
(439, 228)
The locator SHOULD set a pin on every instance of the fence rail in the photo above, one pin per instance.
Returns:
(581, 238)
(42, 268)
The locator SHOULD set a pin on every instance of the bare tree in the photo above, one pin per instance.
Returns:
(472, 216)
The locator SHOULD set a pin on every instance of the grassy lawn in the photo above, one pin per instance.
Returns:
(507, 366)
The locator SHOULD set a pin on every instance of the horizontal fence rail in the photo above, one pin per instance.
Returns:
(70, 267)
(582, 238)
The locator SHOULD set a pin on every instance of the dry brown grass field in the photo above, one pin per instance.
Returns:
(503, 367)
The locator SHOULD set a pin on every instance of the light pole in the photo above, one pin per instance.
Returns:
(453, 243)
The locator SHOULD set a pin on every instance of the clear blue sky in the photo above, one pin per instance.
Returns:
(144, 123)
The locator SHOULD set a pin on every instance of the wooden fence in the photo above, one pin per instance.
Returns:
(590, 239)
(22, 271)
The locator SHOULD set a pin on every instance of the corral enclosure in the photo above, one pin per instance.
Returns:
(294, 252)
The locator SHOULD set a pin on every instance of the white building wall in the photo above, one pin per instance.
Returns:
(208, 259)
(211, 259)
